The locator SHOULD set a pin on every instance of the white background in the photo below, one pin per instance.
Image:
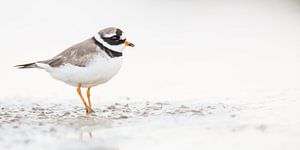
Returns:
(184, 49)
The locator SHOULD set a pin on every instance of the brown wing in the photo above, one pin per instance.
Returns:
(78, 55)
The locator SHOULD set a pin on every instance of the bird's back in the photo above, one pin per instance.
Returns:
(78, 55)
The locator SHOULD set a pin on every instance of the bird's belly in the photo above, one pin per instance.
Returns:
(98, 71)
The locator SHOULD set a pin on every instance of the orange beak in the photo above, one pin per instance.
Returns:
(128, 44)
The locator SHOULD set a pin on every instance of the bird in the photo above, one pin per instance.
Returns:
(89, 63)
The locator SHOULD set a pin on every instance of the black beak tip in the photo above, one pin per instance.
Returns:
(131, 45)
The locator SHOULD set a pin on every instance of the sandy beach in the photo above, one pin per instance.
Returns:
(271, 123)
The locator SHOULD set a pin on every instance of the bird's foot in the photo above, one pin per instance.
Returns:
(89, 111)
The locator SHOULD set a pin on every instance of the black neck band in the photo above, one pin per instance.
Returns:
(108, 51)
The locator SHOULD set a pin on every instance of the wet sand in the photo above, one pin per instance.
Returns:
(148, 125)
(65, 126)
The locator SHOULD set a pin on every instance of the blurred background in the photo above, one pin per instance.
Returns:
(184, 49)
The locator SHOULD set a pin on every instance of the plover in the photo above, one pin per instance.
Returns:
(88, 63)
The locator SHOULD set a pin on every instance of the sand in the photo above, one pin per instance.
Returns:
(272, 123)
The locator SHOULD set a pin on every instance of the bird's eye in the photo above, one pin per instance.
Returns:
(115, 38)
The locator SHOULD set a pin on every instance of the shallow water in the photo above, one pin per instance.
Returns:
(66, 126)
(270, 123)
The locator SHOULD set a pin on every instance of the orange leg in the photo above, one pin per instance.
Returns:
(88, 94)
(87, 108)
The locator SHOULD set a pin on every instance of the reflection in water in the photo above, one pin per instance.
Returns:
(82, 135)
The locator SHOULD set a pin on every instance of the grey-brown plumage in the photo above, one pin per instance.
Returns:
(79, 55)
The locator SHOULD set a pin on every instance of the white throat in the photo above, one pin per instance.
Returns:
(117, 48)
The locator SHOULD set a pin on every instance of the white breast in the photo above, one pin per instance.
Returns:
(99, 70)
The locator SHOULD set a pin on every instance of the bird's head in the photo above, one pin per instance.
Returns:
(113, 38)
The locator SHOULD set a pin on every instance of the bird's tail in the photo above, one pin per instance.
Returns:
(25, 66)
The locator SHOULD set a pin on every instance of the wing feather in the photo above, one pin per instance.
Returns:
(79, 55)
